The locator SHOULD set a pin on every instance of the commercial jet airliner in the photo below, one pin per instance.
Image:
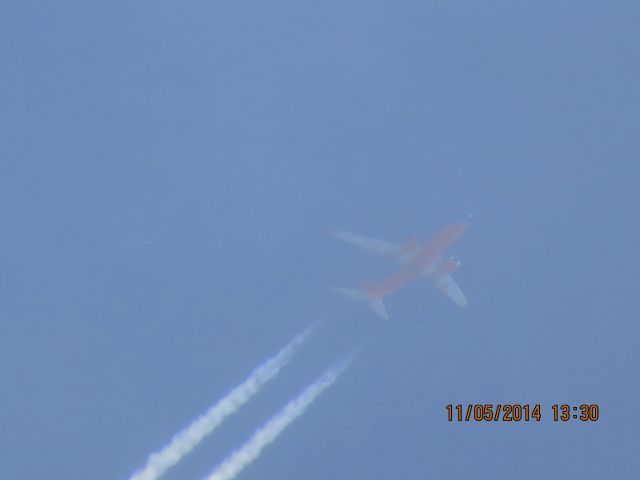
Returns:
(415, 261)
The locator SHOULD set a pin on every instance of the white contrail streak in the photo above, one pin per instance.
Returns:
(186, 440)
(251, 450)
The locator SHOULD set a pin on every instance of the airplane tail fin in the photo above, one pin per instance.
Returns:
(361, 295)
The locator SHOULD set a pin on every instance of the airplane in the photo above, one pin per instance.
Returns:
(415, 261)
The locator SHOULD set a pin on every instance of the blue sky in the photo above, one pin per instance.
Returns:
(168, 177)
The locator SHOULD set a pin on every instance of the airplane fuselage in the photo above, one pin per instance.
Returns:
(421, 264)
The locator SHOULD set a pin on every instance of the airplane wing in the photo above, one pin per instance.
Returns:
(449, 287)
(381, 247)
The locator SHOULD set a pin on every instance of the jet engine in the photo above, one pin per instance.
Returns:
(449, 265)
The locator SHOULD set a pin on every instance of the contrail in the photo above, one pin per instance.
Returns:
(251, 450)
(186, 440)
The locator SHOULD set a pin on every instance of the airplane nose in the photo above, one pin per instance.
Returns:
(459, 228)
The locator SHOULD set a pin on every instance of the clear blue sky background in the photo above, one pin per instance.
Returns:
(169, 171)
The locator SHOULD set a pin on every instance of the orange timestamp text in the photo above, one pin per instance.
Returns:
(515, 412)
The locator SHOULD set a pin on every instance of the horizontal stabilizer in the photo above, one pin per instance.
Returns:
(361, 295)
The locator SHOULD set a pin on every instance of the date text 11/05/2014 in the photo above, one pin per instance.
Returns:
(515, 412)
